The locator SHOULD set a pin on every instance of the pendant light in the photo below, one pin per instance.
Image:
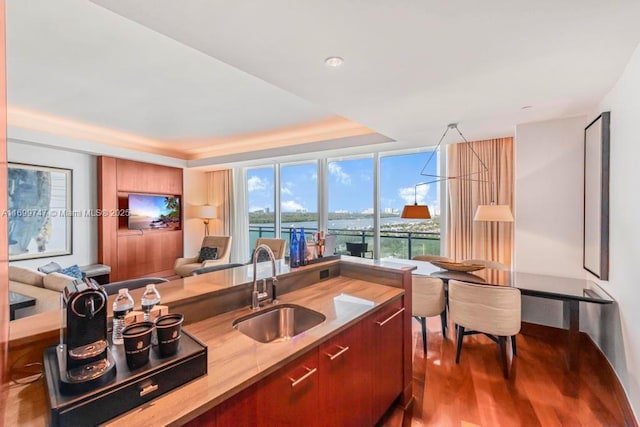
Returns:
(491, 212)
(416, 211)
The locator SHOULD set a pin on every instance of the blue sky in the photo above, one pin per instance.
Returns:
(350, 184)
(151, 206)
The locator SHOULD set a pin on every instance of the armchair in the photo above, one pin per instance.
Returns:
(276, 245)
(185, 266)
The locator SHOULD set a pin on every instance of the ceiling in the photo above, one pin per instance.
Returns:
(205, 80)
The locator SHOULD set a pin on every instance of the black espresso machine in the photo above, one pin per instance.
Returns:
(84, 358)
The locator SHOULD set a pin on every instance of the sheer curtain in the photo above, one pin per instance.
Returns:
(468, 239)
(219, 192)
(239, 220)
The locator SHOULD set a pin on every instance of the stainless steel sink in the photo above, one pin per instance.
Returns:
(280, 322)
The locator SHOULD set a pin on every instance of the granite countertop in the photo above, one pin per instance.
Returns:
(235, 361)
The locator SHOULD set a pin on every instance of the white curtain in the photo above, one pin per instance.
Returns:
(239, 221)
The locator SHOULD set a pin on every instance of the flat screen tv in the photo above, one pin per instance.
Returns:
(153, 212)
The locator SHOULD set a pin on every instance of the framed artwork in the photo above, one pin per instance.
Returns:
(596, 197)
(39, 211)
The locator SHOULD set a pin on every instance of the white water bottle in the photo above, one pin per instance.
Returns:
(150, 298)
(121, 306)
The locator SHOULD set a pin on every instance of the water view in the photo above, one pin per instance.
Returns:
(399, 238)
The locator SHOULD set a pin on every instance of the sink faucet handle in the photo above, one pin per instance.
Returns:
(274, 290)
(264, 286)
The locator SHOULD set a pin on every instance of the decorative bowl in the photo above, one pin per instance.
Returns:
(458, 266)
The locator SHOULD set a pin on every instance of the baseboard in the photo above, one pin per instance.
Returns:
(616, 388)
(588, 348)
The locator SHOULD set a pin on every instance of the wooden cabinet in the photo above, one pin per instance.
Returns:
(290, 396)
(149, 253)
(386, 329)
(239, 411)
(345, 379)
(350, 380)
(135, 253)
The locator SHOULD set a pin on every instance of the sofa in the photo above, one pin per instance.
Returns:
(45, 288)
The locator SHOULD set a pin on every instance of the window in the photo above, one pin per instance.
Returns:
(405, 238)
(260, 190)
(298, 199)
(350, 189)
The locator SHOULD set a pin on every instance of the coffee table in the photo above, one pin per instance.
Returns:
(17, 301)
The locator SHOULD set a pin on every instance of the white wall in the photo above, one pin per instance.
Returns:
(548, 235)
(617, 330)
(194, 194)
(548, 206)
(84, 182)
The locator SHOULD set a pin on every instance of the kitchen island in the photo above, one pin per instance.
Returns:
(346, 292)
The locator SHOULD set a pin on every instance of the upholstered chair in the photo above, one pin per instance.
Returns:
(431, 258)
(491, 310)
(184, 266)
(428, 300)
(276, 246)
(489, 264)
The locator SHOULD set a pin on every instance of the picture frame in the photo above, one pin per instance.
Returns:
(39, 211)
(596, 196)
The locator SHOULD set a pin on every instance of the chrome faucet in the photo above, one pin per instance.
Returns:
(257, 297)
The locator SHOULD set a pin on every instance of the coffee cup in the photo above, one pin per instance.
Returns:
(168, 329)
(137, 343)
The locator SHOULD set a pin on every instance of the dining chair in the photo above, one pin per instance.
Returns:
(431, 258)
(494, 311)
(358, 249)
(489, 264)
(428, 300)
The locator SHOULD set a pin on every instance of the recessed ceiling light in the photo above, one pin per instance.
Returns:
(334, 61)
(526, 107)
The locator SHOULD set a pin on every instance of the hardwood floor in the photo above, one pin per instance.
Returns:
(539, 391)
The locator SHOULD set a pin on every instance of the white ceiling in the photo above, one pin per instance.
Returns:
(410, 67)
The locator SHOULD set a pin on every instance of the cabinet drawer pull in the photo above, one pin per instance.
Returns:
(342, 351)
(388, 319)
(149, 388)
(304, 377)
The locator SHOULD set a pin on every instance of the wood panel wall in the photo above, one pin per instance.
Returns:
(4, 248)
(135, 253)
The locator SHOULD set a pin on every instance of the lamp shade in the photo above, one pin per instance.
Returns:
(206, 211)
(493, 213)
(415, 212)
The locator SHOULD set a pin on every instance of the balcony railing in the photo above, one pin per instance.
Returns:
(397, 244)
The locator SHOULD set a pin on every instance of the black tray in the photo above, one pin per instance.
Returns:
(129, 389)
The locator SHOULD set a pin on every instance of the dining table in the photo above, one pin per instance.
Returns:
(571, 291)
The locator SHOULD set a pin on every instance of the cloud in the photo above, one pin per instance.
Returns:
(255, 183)
(286, 188)
(407, 194)
(340, 175)
(291, 206)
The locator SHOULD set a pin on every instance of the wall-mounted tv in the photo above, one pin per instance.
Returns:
(153, 212)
